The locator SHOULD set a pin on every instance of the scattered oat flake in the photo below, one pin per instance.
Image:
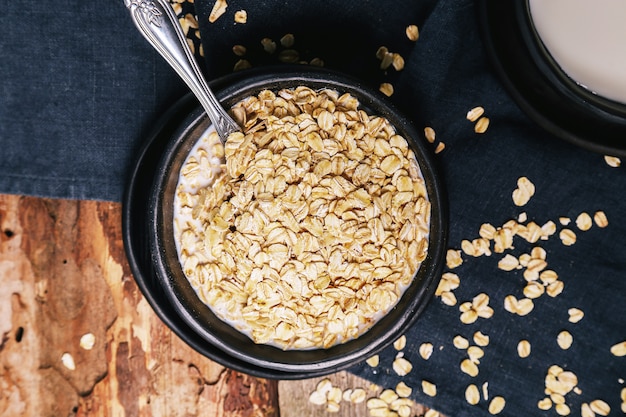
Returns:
(68, 361)
(481, 339)
(481, 125)
(524, 191)
(374, 403)
(440, 147)
(562, 409)
(431, 413)
(525, 306)
(287, 40)
(219, 8)
(575, 315)
(600, 407)
(619, 349)
(584, 221)
(508, 263)
(386, 89)
(357, 396)
(585, 410)
(523, 348)
(600, 219)
(472, 395)
(429, 388)
(403, 390)
(397, 62)
(334, 395)
(289, 56)
(567, 236)
(239, 50)
(269, 45)
(412, 32)
(544, 404)
(400, 343)
(242, 64)
(612, 161)
(429, 134)
(241, 16)
(401, 366)
(448, 298)
(475, 353)
(460, 342)
(555, 288)
(453, 258)
(381, 52)
(87, 341)
(496, 405)
(373, 361)
(316, 62)
(473, 114)
(386, 60)
(426, 350)
(564, 339)
(388, 396)
(469, 367)
(317, 398)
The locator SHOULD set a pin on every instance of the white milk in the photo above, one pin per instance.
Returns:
(587, 38)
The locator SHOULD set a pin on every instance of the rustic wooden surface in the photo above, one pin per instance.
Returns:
(63, 275)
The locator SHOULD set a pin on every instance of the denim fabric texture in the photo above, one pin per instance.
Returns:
(80, 89)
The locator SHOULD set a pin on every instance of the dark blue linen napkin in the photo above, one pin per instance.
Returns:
(79, 90)
(446, 74)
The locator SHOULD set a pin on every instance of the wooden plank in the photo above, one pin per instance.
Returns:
(294, 397)
(63, 274)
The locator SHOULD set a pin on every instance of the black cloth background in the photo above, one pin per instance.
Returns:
(80, 89)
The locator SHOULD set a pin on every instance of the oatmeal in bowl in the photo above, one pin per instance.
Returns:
(309, 240)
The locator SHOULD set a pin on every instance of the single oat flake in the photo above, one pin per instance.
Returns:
(481, 125)
(612, 161)
(429, 134)
(68, 361)
(496, 405)
(523, 348)
(619, 349)
(472, 395)
(412, 32)
(600, 219)
(429, 388)
(241, 16)
(219, 8)
(524, 191)
(475, 113)
(87, 341)
(386, 89)
(401, 366)
(426, 350)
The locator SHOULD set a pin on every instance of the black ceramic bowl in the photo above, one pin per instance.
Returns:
(539, 86)
(221, 336)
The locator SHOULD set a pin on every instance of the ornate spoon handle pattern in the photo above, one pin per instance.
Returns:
(158, 23)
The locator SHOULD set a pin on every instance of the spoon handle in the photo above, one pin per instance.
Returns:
(158, 23)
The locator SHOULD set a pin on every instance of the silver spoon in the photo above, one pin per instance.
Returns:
(158, 23)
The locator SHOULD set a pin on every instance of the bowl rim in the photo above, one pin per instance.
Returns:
(234, 343)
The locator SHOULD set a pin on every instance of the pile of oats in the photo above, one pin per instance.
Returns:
(314, 228)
